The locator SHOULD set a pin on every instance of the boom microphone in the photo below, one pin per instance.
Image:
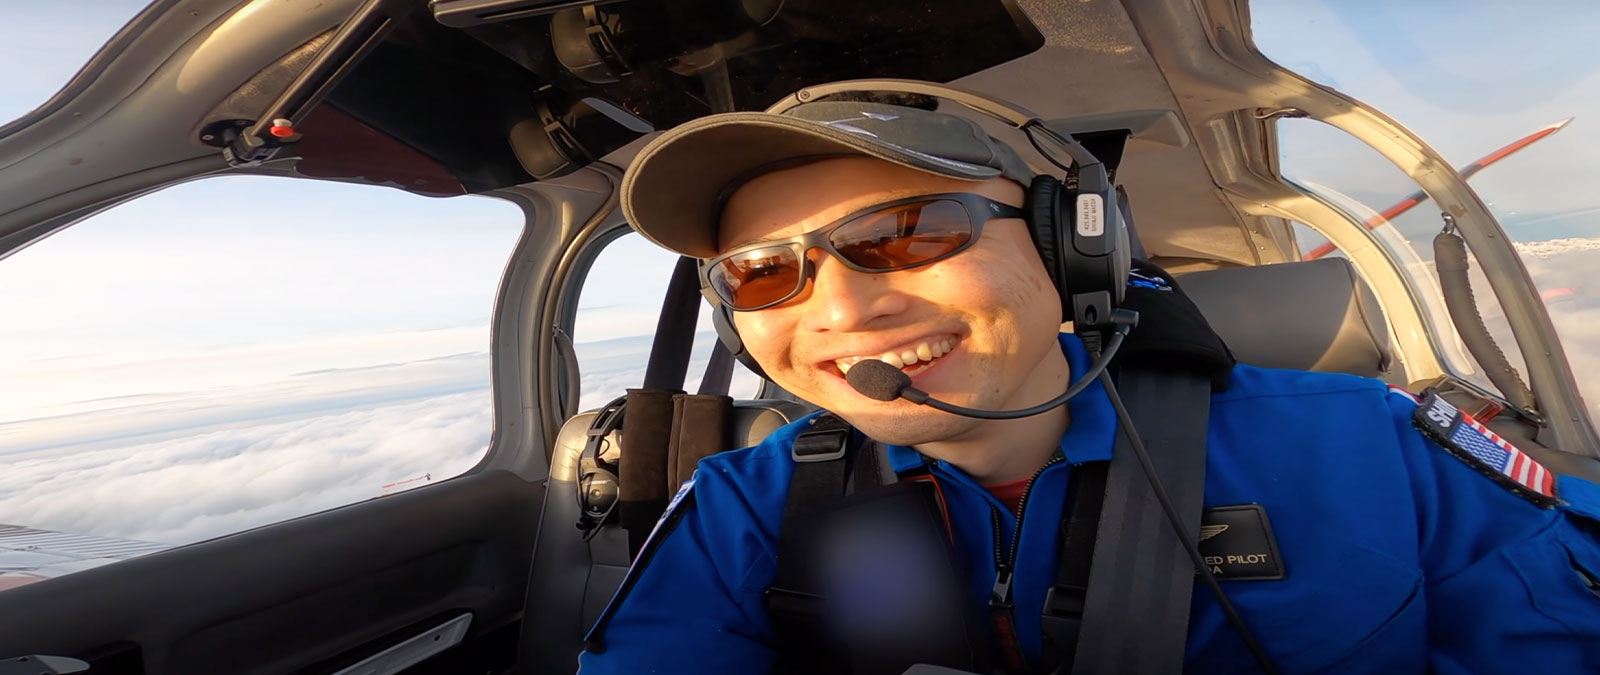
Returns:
(877, 380)
(881, 381)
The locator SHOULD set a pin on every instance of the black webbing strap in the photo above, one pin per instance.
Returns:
(719, 371)
(642, 483)
(1062, 619)
(821, 474)
(1136, 605)
(674, 338)
(835, 473)
(1120, 603)
(826, 471)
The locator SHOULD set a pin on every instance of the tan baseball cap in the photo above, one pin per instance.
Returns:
(673, 192)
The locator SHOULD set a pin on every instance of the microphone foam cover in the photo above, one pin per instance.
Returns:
(877, 380)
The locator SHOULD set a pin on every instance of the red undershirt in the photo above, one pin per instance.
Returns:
(1010, 493)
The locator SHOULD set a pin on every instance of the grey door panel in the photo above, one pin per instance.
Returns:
(331, 588)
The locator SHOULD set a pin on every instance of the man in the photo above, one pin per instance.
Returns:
(1400, 556)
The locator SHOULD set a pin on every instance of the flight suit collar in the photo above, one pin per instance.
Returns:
(1090, 431)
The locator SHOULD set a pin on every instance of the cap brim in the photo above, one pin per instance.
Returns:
(670, 191)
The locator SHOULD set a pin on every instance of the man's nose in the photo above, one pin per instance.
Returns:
(842, 299)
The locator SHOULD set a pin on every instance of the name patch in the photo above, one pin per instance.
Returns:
(1237, 542)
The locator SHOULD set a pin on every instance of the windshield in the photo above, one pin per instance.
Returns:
(46, 43)
(1471, 80)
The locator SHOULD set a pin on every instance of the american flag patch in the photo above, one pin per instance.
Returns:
(1484, 450)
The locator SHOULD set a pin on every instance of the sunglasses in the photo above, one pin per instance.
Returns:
(887, 237)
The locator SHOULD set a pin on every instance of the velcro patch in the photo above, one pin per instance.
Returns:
(1484, 450)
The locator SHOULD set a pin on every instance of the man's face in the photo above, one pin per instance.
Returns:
(992, 304)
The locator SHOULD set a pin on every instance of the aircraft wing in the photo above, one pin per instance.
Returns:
(28, 555)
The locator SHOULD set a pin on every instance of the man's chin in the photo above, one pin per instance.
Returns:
(909, 424)
(898, 422)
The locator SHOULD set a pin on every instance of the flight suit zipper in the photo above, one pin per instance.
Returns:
(1000, 596)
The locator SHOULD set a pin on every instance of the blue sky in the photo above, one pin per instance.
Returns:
(44, 43)
(198, 375)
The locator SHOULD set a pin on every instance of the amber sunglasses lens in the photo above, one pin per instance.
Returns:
(894, 238)
(756, 278)
(905, 235)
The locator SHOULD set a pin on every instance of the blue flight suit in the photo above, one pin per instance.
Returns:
(1400, 556)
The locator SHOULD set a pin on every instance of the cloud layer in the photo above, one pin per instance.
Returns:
(192, 464)
(1564, 270)
(210, 484)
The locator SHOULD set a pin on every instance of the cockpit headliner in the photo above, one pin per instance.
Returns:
(443, 110)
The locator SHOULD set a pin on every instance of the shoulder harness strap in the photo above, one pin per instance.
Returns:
(821, 456)
(1120, 603)
(828, 468)
(1136, 605)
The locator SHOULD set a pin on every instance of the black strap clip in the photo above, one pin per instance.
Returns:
(828, 439)
(1062, 617)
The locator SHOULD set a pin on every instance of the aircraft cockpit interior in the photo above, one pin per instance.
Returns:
(1315, 227)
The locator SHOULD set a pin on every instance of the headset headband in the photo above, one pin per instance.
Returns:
(1004, 111)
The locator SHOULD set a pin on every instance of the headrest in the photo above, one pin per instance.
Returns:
(751, 421)
(1317, 315)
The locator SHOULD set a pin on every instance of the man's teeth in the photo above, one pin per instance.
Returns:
(922, 353)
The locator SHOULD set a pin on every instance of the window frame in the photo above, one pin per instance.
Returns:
(584, 255)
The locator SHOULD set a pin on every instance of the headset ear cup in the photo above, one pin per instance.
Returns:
(722, 321)
(1044, 219)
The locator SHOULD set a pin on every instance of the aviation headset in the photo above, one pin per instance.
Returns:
(1075, 222)
(598, 492)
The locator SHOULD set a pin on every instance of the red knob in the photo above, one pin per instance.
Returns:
(281, 128)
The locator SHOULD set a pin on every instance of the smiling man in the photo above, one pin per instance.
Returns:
(977, 329)
(843, 231)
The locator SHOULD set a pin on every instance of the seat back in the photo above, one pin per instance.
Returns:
(1320, 316)
(572, 580)
(1317, 315)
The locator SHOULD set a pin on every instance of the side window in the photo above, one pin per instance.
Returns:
(1494, 107)
(1351, 176)
(238, 351)
(1312, 244)
(617, 312)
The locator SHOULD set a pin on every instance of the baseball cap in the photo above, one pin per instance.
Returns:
(672, 192)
